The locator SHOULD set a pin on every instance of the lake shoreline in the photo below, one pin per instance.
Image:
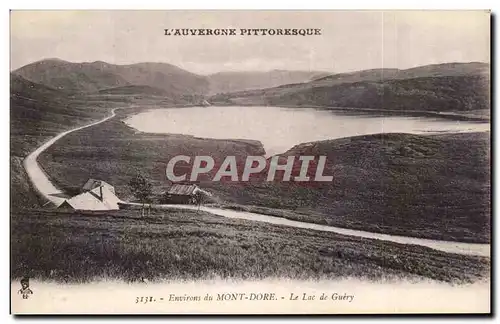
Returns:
(450, 115)
(216, 122)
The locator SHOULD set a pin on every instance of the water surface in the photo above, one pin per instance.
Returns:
(279, 129)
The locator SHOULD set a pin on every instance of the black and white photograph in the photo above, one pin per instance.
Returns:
(250, 162)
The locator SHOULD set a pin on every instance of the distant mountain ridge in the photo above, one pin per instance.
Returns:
(224, 82)
(431, 70)
(96, 76)
(168, 79)
(437, 87)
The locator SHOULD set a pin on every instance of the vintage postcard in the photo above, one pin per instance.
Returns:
(250, 162)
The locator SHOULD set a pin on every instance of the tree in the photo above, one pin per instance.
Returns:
(141, 189)
(199, 198)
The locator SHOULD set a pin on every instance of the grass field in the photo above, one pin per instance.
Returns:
(445, 93)
(38, 113)
(84, 246)
(114, 152)
(435, 187)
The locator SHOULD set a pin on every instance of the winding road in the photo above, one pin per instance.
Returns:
(36, 174)
(48, 190)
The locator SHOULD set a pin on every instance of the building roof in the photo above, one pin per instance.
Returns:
(182, 189)
(92, 200)
(93, 183)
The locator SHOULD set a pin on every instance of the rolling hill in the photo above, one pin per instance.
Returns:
(435, 186)
(134, 90)
(158, 78)
(95, 76)
(38, 112)
(432, 70)
(223, 82)
(448, 93)
(441, 87)
(436, 87)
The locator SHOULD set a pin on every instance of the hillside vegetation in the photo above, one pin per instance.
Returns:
(223, 82)
(95, 76)
(38, 113)
(161, 79)
(133, 89)
(425, 186)
(85, 246)
(461, 93)
(114, 152)
(445, 87)
(449, 87)
(425, 71)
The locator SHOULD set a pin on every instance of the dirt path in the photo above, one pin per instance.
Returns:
(36, 174)
(445, 246)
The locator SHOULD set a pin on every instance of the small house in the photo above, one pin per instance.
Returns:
(183, 193)
(95, 195)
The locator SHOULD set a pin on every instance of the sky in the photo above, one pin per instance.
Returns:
(349, 40)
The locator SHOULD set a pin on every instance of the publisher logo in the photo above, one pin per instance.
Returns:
(25, 290)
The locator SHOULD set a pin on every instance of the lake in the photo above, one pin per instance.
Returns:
(279, 129)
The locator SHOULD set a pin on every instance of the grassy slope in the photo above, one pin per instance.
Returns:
(182, 244)
(449, 87)
(425, 186)
(457, 93)
(37, 113)
(436, 93)
(134, 90)
(169, 80)
(115, 153)
(95, 76)
(431, 70)
(223, 82)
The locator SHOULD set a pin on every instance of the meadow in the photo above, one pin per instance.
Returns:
(173, 244)
(430, 186)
